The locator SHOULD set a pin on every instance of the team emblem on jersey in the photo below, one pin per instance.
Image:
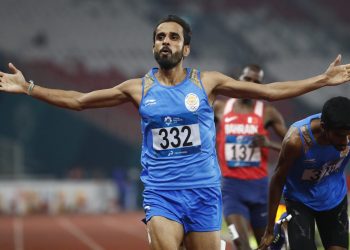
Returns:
(168, 120)
(192, 102)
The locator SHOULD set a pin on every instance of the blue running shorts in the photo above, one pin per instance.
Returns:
(247, 198)
(198, 209)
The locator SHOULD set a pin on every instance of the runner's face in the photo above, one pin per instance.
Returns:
(169, 48)
(249, 75)
(339, 138)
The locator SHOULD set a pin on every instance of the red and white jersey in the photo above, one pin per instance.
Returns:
(238, 157)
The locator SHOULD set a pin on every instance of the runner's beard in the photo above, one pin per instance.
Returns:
(168, 62)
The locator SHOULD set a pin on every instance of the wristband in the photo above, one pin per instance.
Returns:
(30, 87)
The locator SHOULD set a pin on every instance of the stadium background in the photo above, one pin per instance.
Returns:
(54, 161)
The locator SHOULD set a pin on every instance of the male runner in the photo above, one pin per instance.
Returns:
(243, 143)
(311, 168)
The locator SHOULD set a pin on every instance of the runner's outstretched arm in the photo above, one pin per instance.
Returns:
(15, 82)
(220, 84)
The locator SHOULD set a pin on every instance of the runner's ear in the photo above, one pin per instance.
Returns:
(186, 51)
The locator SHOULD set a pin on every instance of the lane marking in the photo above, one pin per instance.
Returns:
(74, 230)
(125, 228)
(18, 233)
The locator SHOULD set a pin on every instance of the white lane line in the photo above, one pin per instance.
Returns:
(126, 229)
(18, 233)
(71, 228)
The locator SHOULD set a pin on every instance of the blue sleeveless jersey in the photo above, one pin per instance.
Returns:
(178, 148)
(317, 178)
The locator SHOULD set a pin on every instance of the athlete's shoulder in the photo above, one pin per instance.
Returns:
(132, 88)
(292, 142)
(212, 79)
(211, 75)
(131, 84)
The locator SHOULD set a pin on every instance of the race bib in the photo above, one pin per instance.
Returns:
(312, 175)
(176, 135)
(317, 174)
(240, 152)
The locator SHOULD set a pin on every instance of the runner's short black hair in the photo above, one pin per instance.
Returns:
(187, 32)
(336, 113)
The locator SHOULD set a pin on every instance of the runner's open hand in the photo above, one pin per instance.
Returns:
(13, 82)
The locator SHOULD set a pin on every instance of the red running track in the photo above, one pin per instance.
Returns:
(74, 232)
(123, 231)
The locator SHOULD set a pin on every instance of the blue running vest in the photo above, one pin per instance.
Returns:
(317, 178)
(178, 147)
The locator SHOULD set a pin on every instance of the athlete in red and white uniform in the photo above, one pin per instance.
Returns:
(239, 155)
(243, 144)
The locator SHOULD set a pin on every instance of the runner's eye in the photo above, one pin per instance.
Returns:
(249, 79)
(175, 37)
(160, 36)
